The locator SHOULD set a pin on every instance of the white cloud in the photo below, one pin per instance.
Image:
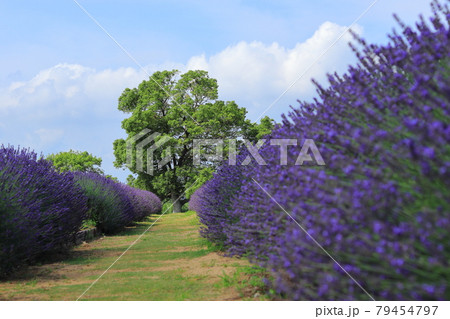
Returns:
(256, 73)
(65, 88)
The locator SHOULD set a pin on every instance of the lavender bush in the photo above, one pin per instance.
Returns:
(213, 201)
(40, 209)
(195, 202)
(144, 202)
(109, 206)
(113, 205)
(381, 205)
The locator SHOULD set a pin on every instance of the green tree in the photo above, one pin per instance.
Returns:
(76, 161)
(112, 178)
(254, 132)
(182, 109)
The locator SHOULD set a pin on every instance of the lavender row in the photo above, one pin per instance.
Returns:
(113, 205)
(381, 205)
(41, 210)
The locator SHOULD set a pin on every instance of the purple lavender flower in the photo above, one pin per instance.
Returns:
(40, 209)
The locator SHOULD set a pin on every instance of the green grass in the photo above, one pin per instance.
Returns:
(170, 262)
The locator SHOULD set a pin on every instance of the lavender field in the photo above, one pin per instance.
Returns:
(345, 196)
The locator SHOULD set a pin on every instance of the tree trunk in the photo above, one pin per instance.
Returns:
(176, 204)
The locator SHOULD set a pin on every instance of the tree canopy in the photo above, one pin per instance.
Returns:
(76, 161)
(181, 109)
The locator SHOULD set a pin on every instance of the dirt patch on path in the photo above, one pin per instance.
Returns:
(213, 265)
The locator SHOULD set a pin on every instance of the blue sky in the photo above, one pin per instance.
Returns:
(61, 74)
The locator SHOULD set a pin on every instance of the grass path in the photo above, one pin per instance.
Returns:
(170, 262)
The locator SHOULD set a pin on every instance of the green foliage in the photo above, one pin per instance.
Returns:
(136, 182)
(204, 175)
(182, 109)
(167, 206)
(113, 178)
(88, 224)
(76, 161)
(131, 180)
(254, 132)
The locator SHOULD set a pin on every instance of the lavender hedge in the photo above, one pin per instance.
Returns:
(214, 200)
(112, 205)
(195, 201)
(381, 204)
(109, 206)
(144, 202)
(40, 209)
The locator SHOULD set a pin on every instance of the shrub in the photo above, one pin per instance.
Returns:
(40, 209)
(113, 205)
(195, 200)
(213, 201)
(144, 202)
(167, 206)
(109, 206)
(381, 205)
